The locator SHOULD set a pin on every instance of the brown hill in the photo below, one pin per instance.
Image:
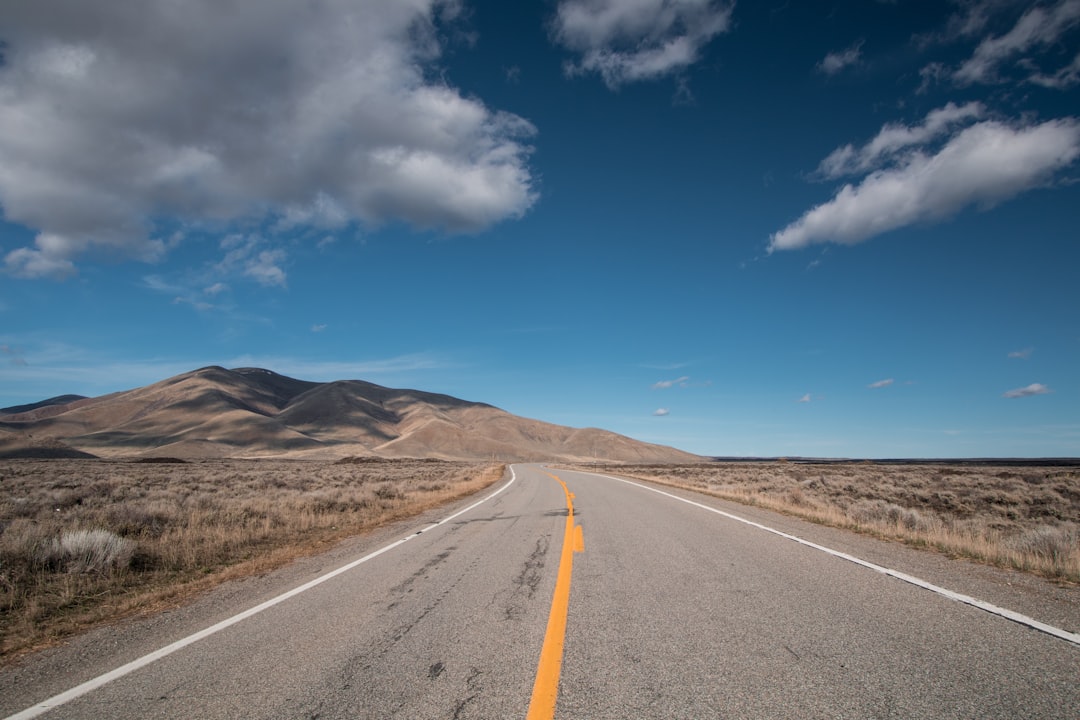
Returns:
(51, 402)
(250, 412)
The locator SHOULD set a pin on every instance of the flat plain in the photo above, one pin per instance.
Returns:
(88, 541)
(1014, 515)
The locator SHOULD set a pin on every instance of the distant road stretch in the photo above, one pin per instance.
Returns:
(633, 604)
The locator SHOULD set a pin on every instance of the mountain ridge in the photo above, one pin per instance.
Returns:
(254, 412)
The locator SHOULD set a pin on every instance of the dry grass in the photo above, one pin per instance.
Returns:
(1021, 517)
(86, 541)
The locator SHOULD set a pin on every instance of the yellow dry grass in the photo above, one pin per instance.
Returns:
(160, 532)
(1021, 517)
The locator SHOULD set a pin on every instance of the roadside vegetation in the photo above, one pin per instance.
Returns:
(86, 541)
(1021, 517)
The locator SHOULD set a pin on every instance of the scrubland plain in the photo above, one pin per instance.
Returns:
(1015, 516)
(86, 541)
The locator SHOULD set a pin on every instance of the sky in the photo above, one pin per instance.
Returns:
(843, 229)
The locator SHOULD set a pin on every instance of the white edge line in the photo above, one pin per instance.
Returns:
(90, 685)
(1016, 617)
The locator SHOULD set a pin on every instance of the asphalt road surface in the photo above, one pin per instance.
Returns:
(672, 611)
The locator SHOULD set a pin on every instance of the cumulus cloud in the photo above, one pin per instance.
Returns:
(665, 384)
(834, 62)
(881, 383)
(1039, 27)
(983, 164)
(640, 40)
(1032, 389)
(118, 120)
(661, 412)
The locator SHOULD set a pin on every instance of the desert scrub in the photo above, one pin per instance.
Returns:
(89, 551)
(1021, 517)
(83, 541)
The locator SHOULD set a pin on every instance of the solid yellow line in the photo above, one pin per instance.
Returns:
(546, 687)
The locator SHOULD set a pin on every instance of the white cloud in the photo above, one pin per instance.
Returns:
(1022, 354)
(661, 412)
(665, 384)
(1032, 389)
(983, 165)
(318, 328)
(1038, 27)
(834, 62)
(881, 383)
(116, 116)
(665, 366)
(265, 268)
(805, 398)
(201, 305)
(638, 40)
(328, 370)
(247, 255)
(1064, 78)
(894, 138)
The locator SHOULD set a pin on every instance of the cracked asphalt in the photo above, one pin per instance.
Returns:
(674, 613)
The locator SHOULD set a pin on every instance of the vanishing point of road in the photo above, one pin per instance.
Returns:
(575, 595)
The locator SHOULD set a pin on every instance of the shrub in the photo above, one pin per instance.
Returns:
(880, 512)
(84, 551)
(1053, 543)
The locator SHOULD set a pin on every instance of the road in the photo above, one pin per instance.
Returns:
(673, 612)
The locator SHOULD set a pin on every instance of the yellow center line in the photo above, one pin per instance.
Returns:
(546, 687)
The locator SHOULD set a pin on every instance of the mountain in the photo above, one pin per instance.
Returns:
(51, 402)
(251, 412)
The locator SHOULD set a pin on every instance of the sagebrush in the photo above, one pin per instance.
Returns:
(1022, 517)
(85, 540)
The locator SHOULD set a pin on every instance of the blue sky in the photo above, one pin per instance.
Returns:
(844, 229)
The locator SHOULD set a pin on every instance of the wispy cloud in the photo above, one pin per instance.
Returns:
(318, 328)
(248, 256)
(894, 138)
(805, 398)
(834, 62)
(881, 383)
(1059, 80)
(631, 41)
(14, 355)
(1039, 27)
(665, 366)
(326, 370)
(661, 412)
(1022, 354)
(665, 384)
(1032, 389)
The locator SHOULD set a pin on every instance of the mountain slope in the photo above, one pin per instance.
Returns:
(51, 402)
(251, 412)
